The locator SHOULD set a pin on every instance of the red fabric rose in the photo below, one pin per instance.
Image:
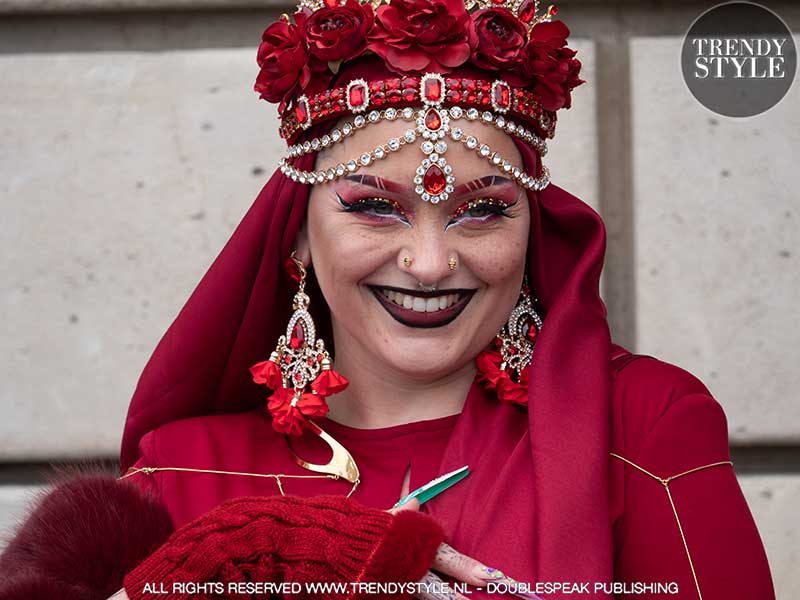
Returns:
(289, 419)
(328, 383)
(499, 380)
(422, 35)
(268, 373)
(287, 69)
(551, 66)
(338, 32)
(500, 37)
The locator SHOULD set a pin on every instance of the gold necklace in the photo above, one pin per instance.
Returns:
(342, 465)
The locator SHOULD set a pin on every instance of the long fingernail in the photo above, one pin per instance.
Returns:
(485, 572)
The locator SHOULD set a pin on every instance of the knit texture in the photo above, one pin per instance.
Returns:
(290, 539)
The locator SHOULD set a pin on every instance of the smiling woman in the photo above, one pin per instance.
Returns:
(376, 249)
(412, 240)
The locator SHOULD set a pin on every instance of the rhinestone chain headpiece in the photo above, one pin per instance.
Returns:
(434, 178)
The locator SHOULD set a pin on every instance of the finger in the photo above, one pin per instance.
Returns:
(464, 568)
(451, 562)
(412, 504)
(433, 588)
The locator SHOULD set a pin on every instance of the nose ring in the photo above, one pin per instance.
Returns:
(452, 263)
(407, 260)
(426, 288)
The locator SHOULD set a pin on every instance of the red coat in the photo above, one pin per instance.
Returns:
(677, 514)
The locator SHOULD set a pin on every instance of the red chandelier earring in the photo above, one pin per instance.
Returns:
(505, 367)
(299, 369)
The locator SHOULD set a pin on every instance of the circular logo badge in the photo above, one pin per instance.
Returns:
(739, 59)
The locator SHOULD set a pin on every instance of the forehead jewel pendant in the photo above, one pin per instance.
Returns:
(434, 177)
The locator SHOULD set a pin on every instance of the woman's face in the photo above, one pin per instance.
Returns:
(363, 229)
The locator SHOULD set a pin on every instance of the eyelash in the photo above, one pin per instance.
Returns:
(364, 205)
(494, 207)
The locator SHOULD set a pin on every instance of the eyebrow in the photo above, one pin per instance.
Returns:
(379, 183)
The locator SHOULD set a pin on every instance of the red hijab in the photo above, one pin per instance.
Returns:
(537, 498)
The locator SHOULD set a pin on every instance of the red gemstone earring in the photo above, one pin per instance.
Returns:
(505, 367)
(299, 370)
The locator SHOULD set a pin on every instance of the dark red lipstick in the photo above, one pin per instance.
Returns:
(413, 318)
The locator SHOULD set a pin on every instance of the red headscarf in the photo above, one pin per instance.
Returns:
(537, 498)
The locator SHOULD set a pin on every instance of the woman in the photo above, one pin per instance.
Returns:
(456, 293)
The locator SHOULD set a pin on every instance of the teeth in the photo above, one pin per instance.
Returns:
(419, 304)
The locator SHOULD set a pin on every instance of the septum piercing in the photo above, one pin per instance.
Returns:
(426, 288)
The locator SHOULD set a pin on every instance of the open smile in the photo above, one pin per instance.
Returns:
(415, 308)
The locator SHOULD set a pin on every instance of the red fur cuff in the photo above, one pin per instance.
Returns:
(406, 551)
(81, 538)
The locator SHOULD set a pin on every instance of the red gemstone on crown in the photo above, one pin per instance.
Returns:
(298, 336)
(357, 94)
(433, 119)
(527, 10)
(553, 11)
(331, 3)
(301, 112)
(434, 181)
(502, 95)
(432, 89)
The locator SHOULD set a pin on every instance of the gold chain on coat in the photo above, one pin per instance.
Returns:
(277, 477)
(665, 481)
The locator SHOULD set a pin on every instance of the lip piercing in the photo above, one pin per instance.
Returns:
(407, 260)
(452, 263)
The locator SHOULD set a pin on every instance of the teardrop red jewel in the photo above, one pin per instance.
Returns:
(433, 120)
(298, 336)
(433, 181)
(529, 329)
(527, 10)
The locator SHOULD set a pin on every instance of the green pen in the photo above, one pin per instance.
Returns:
(435, 487)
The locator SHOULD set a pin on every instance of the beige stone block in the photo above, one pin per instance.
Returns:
(773, 500)
(16, 501)
(716, 237)
(572, 154)
(121, 176)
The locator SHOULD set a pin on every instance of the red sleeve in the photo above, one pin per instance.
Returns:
(146, 482)
(685, 519)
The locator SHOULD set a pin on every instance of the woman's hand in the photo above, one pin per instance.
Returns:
(451, 562)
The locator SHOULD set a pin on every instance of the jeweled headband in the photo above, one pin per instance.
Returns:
(529, 75)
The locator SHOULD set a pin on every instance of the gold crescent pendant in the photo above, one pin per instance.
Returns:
(341, 463)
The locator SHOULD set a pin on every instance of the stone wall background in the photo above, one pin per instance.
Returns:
(131, 144)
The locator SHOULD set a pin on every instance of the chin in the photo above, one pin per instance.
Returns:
(422, 359)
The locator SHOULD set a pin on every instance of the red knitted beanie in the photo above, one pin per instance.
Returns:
(285, 540)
